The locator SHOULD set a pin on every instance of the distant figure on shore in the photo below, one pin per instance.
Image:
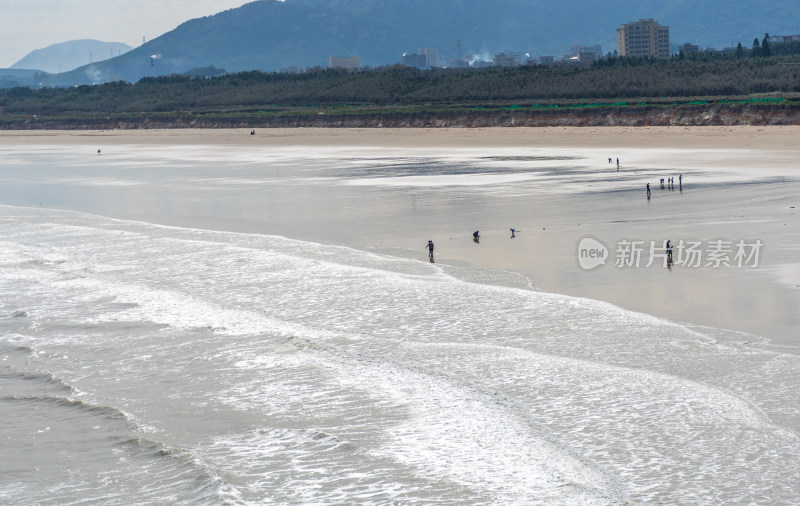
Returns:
(669, 251)
(648, 190)
(617, 163)
(476, 237)
(98, 151)
(514, 232)
(252, 132)
(680, 180)
(609, 160)
(430, 250)
(662, 183)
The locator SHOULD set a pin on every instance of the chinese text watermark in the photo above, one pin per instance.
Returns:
(636, 254)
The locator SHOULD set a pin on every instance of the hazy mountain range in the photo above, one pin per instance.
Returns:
(269, 34)
(70, 55)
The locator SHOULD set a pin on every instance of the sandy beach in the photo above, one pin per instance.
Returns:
(554, 185)
(741, 137)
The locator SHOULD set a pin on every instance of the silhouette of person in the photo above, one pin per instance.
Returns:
(648, 190)
(476, 237)
(430, 249)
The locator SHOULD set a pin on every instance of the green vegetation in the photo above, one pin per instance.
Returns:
(696, 79)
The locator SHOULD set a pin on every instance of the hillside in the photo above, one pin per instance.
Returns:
(70, 55)
(12, 78)
(267, 35)
(711, 88)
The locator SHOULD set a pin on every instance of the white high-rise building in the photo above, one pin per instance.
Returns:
(643, 38)
(431, 57)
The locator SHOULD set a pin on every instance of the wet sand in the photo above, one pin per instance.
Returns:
(553, 185)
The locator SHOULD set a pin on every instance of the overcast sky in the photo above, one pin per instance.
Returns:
(26, 25)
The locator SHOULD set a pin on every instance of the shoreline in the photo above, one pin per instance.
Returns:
(718, 112)
(731, 194)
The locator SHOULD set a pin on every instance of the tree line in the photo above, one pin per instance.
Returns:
(612, 78)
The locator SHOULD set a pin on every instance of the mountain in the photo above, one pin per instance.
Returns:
(270, 34)
(550, 27)
(12, 78)
(70, 55)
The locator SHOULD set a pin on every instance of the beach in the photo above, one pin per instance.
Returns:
(554, 185)
(215, 317)
(721, 137)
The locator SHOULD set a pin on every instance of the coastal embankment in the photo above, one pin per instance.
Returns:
(693, 114)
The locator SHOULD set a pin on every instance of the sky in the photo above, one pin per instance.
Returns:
(26, 25)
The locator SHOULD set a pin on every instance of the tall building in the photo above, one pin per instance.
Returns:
(643, 38)
(432, 57)
(419, 61)
(352, 63)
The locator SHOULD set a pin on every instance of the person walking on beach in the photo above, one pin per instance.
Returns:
(680, 180)
(617, 163)
(609, 160)
(476, 237)
(648, 190)
(669, 251)
(430, 249)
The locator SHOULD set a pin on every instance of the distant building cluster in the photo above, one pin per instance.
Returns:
(644, 38)
(428, 58)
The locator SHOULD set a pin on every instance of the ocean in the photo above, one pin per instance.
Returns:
(165, 364)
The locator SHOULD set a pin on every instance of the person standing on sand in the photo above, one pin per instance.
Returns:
(617, 163)
(648, 190)
(430, 250)
(476, 237)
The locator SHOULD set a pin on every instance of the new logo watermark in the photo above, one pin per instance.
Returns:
(591, 253)
(635, 254)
